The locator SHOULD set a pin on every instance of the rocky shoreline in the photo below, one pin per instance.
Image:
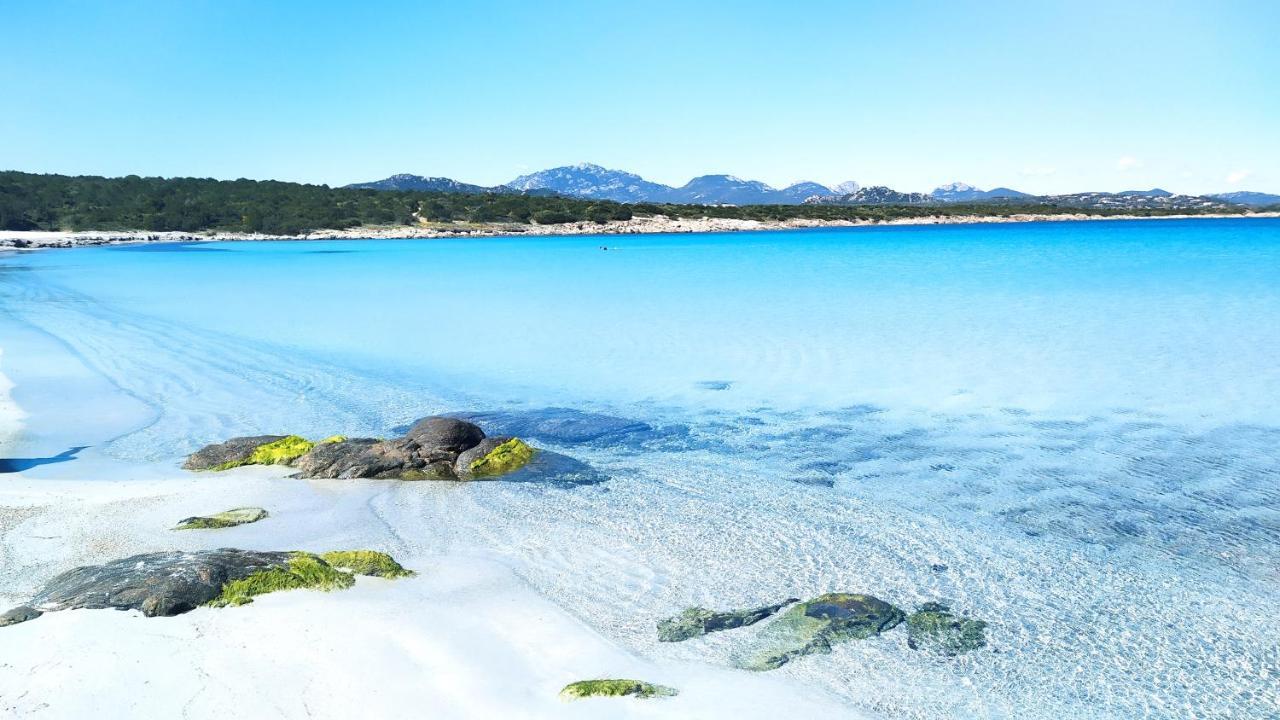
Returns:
(34, 240)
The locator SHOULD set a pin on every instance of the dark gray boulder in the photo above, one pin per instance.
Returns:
(158, 584)
(402, 458)
(818, 624)
(20, 614)
(172, 583)
(697, 621)
(227, 454)
(445, 435)
(935, 628)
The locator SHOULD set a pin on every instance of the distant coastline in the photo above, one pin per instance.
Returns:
(35, 239)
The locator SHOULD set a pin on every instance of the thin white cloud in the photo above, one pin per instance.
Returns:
(1235, 177)
(1037, 171)
(1128, 162)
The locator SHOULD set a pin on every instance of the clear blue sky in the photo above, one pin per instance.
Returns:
(1041, 96)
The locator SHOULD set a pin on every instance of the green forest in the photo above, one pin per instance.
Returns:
(59, 202)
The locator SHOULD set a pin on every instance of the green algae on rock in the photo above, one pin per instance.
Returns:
(225, 519)
(366, 562)
(615, 688)
(818, 624)
(301, 571)
(256, 450)
(493, 457)
(228, 454)
(697, 621)
(934, 627)
(281, 452)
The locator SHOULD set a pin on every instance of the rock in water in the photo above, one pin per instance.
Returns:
(493, 457)
(815, 626)
(19, 614)
(225, 519)
(934, 627)
(229, 454)
(615, 688)
(697, 621)
(401, 458)
(172, 583)
(445, 434)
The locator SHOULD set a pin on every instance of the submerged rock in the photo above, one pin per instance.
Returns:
(20, 614)
(492, 457)
(564, 425)
(225, 519)
(556, 470)
(615, 688)
(934, 627)
(224, 455)
(818, 624)
(172, 583)
(697, 621)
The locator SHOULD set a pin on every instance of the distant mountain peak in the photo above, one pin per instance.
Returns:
(589, 180)
(846, 187)
(1248, 198)
(419, 183)
(964, 192)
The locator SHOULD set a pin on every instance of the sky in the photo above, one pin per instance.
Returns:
(1044, 97)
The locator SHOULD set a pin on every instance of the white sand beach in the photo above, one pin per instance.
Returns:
(466, 638)
(31, 239)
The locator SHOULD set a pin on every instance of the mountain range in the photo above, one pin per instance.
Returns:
(599, 183)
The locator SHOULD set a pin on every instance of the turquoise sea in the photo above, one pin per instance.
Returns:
(1070, 430)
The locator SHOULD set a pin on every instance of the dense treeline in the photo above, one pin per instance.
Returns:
(59, 202)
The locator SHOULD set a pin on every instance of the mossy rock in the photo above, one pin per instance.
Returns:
(494, 457)
(366, 562)
(228, 454)
(934, 627)
(175, 582)
(257, 450)
(818, 624)
(301, 571)
(697, 621)
(615, 688)
(225, 519)
(281, 452)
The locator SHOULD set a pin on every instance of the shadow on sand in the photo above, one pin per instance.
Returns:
(13, 465)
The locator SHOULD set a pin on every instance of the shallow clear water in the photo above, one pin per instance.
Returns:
(1071, 430)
